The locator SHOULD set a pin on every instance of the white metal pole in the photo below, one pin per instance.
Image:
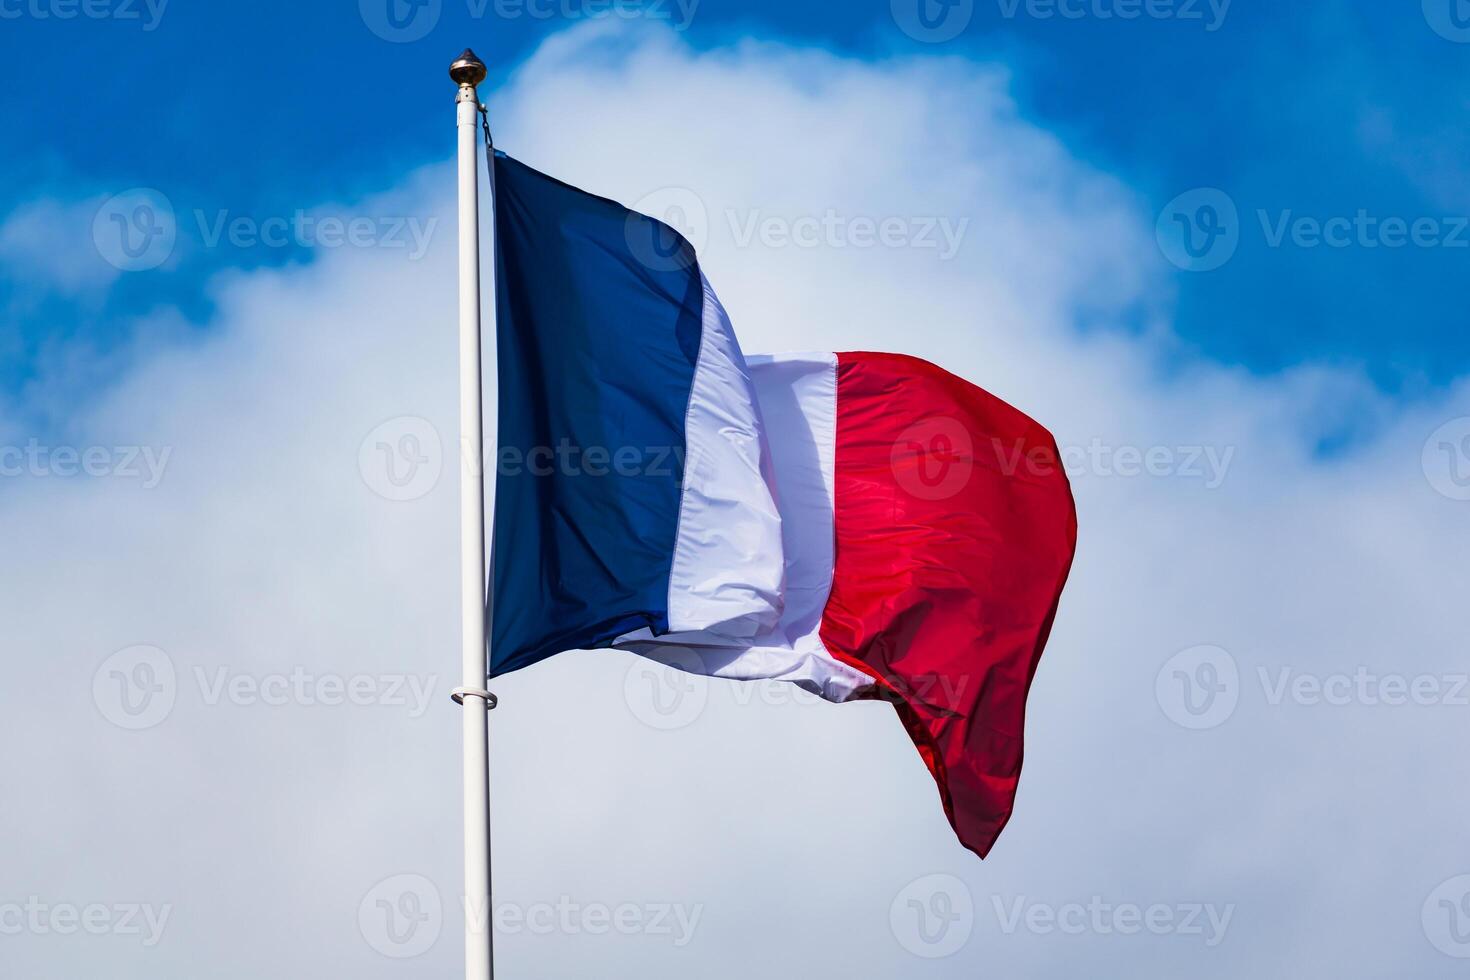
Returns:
(468, 71)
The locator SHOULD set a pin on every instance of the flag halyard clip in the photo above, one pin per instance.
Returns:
(489, 144)
(460, 693)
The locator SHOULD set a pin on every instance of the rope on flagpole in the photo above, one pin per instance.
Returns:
(460, 693)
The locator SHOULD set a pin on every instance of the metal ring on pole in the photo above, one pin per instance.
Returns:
(460, 693)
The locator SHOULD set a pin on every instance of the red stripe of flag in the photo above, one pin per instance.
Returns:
(955, 530)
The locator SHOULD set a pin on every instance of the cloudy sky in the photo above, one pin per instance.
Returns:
(1213, 247)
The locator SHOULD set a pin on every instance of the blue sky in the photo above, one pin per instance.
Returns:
(1319, 111)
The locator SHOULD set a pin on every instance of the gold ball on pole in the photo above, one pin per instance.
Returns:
(468, 69)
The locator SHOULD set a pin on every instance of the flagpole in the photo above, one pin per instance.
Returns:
(467, 72)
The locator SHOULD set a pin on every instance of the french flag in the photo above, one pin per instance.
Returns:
(863, 525)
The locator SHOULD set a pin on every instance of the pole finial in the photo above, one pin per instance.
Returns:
(468, 69)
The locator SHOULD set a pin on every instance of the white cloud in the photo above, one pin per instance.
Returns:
(792, 827)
